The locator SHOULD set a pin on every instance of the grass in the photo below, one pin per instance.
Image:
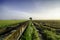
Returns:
(30, 33)
(4, 23)
(49, 28)
(51, 35)
(49, 23)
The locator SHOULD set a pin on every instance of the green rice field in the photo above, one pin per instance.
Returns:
(5, 23)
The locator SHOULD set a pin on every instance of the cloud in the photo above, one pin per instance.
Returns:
(8, 13)
(40, 10)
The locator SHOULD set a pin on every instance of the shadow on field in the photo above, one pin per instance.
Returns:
(43, 36)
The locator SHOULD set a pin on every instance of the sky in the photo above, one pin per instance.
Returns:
(23, 9)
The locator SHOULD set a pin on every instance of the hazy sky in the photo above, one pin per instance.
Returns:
(23, 9)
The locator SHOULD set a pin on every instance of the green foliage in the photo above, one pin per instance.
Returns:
(30, 33)
(51, 35)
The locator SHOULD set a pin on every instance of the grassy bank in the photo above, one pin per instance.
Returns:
(30, 33)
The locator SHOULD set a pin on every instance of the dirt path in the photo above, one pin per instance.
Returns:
(10, 29)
